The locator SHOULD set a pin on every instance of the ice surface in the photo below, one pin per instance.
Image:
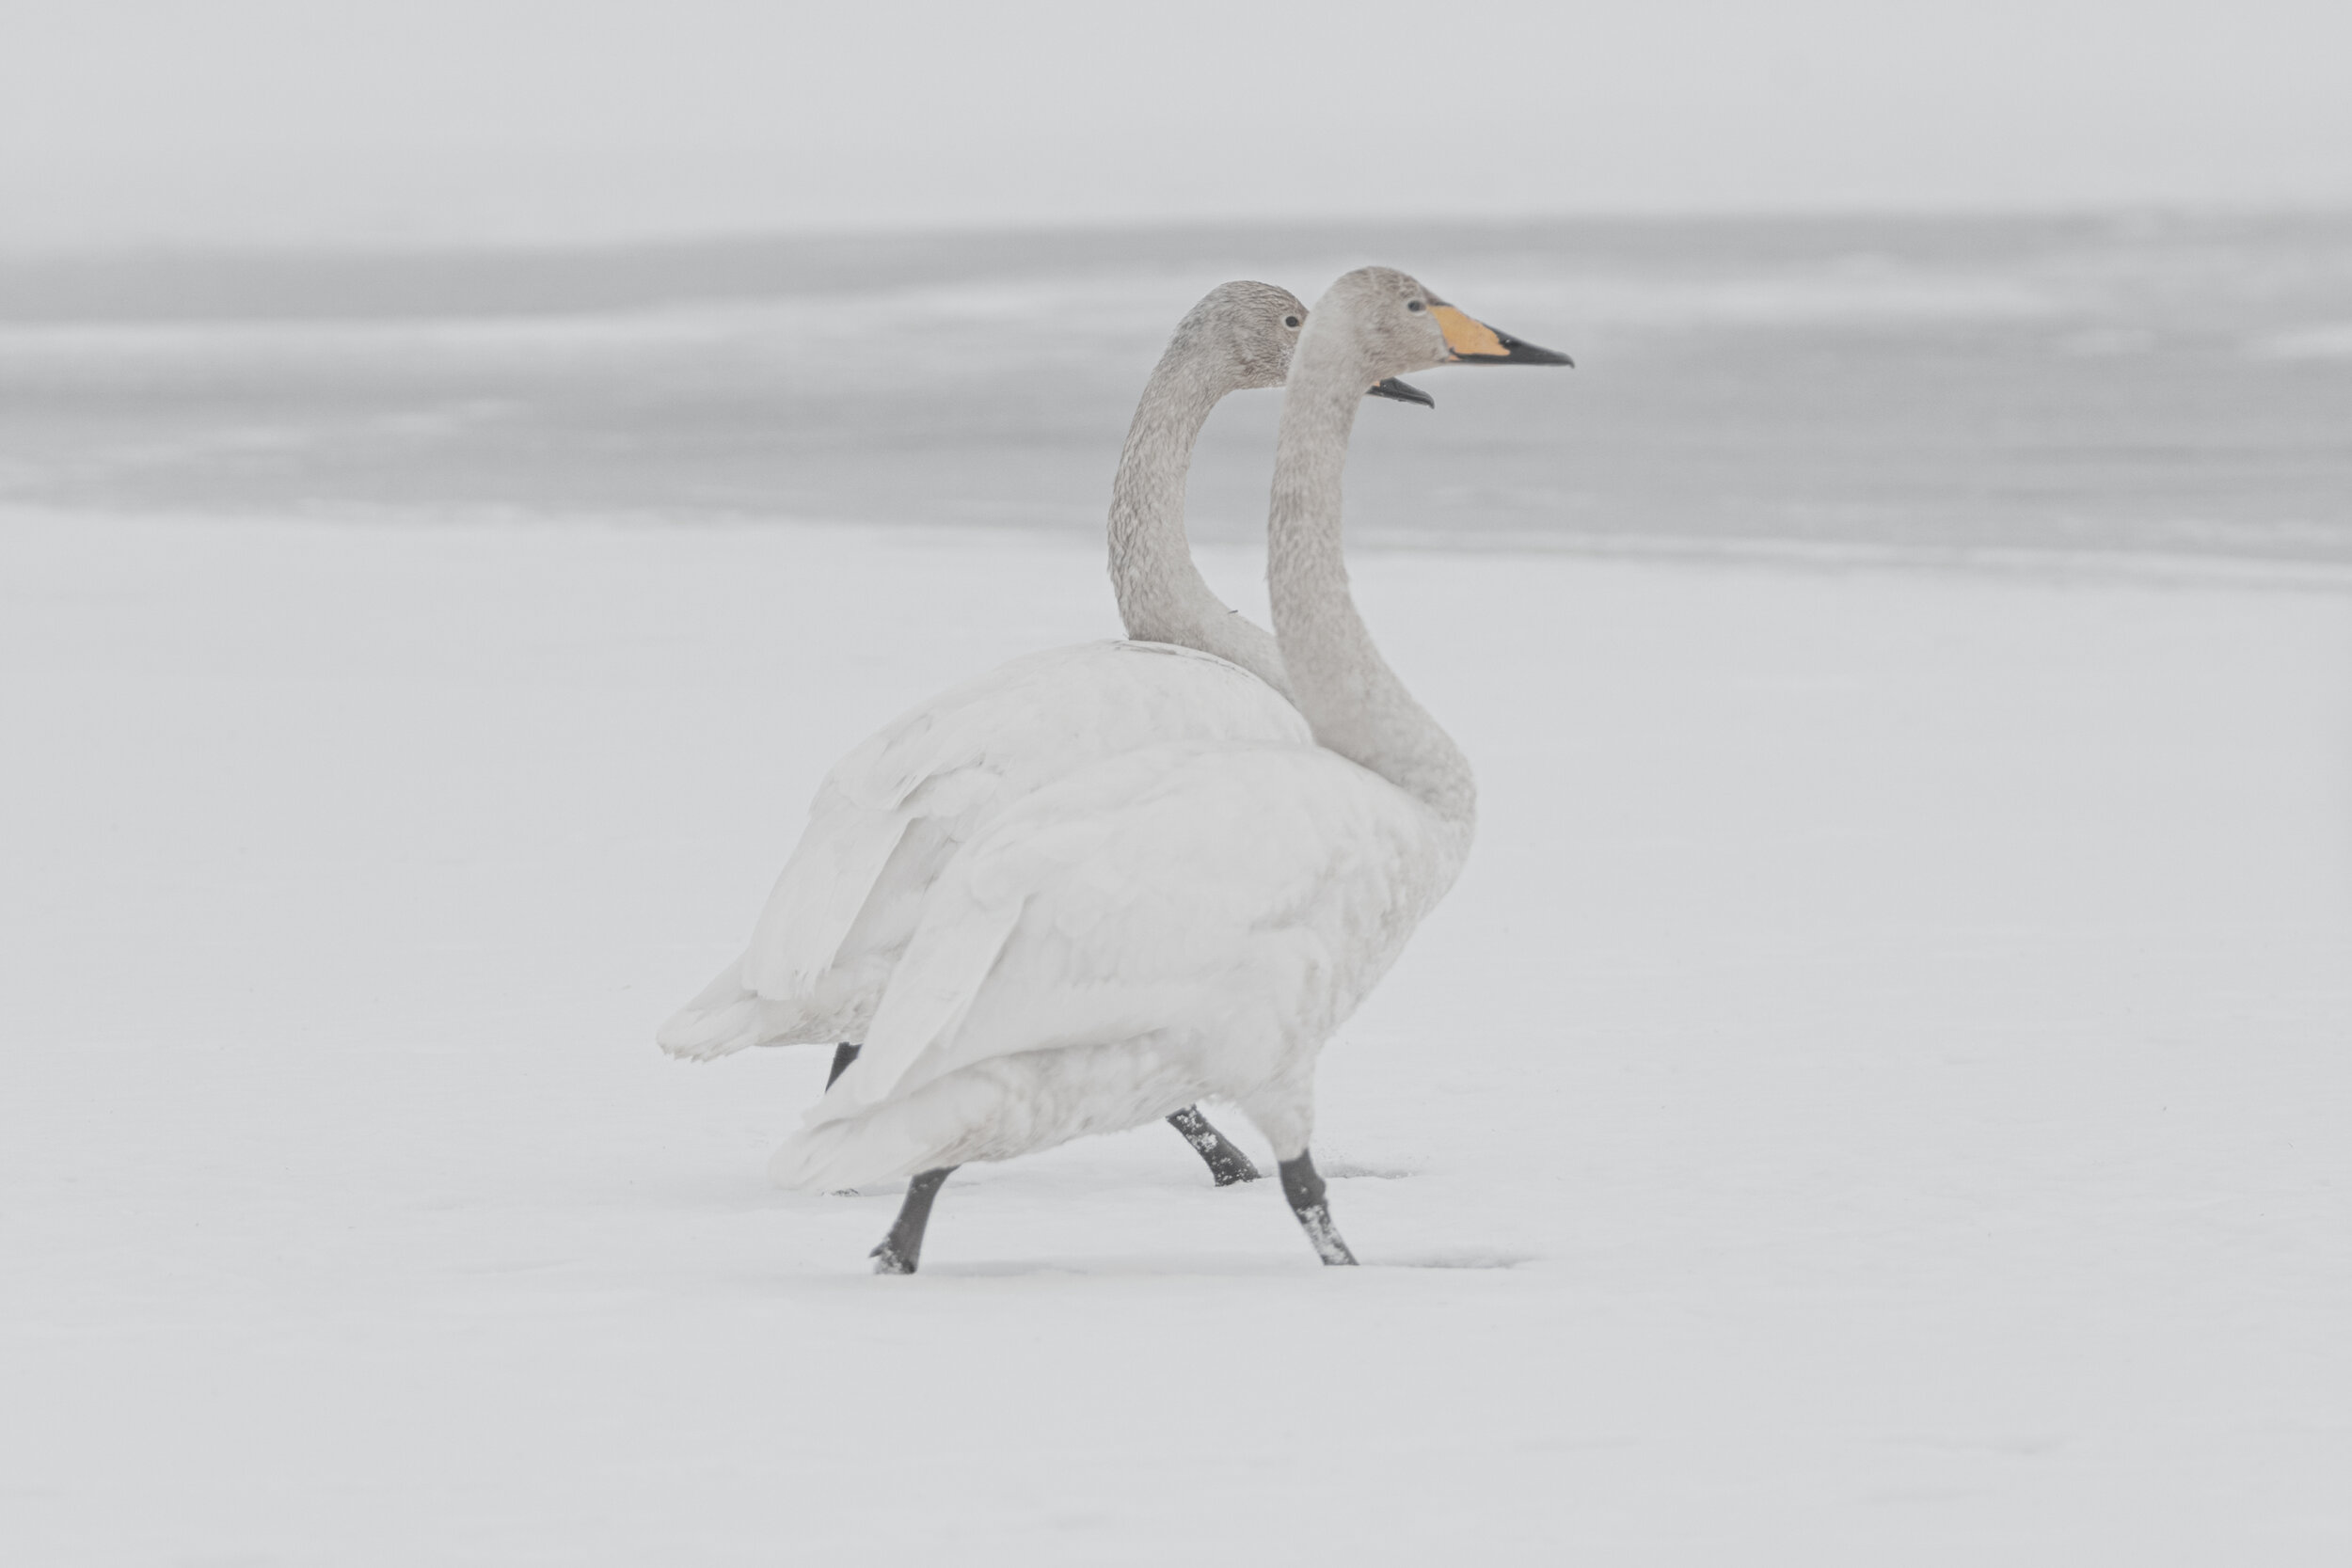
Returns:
(1877, 1095)
(1937, 385)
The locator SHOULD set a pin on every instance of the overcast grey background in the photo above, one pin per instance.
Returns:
(466, 121)
(2063, 275)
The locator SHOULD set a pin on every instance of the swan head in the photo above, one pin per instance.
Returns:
(1393, 325)
(1244, 332)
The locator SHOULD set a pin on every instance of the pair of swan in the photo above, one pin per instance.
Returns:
(1101, 883)
(894, 812)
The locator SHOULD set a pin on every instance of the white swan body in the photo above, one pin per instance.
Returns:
(1188, 920)
(1183, 921)
(893, 813)
(896, 810)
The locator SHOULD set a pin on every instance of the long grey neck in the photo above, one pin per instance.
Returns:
(1162, 595)
(1357, 707)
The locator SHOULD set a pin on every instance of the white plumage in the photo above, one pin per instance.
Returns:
(1191, 919)
(895, 811)
(1178, 922)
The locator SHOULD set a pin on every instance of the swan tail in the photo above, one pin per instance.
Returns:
(723, 1018)
(993, 1110)
(817, 898)
(728, 1016)
(834, 1157)
(902, 1137)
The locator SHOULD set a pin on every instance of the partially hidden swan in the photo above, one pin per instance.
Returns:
(1195, 918)
(895, 811)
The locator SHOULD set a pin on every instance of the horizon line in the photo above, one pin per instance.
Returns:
(41, 254)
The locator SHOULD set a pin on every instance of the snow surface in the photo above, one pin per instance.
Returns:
(1880, 1093)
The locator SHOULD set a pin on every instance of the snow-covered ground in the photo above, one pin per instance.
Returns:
(1880, 1094)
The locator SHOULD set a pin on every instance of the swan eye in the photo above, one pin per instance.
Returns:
(1415, 305)
(1291, 322)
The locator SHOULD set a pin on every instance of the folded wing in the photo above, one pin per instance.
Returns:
(898, 809)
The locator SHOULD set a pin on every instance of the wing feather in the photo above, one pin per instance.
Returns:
(898, 809)
(1213, 887)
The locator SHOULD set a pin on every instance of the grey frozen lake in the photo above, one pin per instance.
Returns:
(2140, 383)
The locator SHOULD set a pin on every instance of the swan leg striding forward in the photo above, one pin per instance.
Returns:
(1303, 1186)
(1195, 918)
(1227, 1164)
(896, 811)
(899, 1251)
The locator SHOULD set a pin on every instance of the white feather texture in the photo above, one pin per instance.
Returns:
(1180, 921)
(1190, 920)
(895, 811)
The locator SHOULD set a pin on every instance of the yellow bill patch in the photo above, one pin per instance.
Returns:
(1465, 337)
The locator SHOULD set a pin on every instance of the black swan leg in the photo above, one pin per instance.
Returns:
(903, 1247)
(1303, 1186)
(1226, 1163)
(843, 1055)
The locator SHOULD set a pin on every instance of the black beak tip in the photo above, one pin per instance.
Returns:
(1523, 352)
(1402, 392)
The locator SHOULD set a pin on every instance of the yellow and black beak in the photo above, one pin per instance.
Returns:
(1474, 343)
(1402, 392)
